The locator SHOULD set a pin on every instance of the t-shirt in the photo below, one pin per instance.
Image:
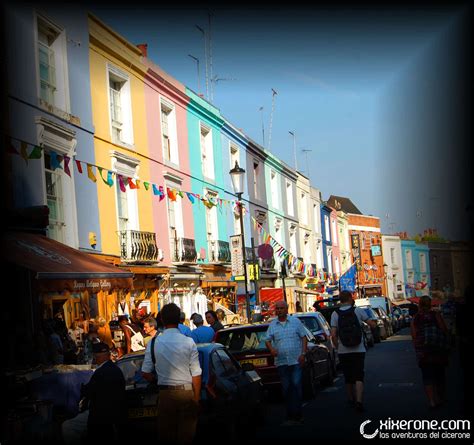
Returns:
(362, 316)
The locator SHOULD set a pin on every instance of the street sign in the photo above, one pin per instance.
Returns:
(236, 258)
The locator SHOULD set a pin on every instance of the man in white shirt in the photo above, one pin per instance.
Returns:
(179, 379)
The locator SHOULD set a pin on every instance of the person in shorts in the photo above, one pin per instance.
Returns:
(351, 358)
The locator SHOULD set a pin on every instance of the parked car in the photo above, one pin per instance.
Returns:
(368, 335)
(378, 331)
(386, 320)
(247, 344)
(408, 316)
(231, 398)
(318, 326)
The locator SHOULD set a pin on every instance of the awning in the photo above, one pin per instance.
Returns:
(59, 267)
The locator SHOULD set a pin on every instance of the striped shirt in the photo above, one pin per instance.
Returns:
(286, 337)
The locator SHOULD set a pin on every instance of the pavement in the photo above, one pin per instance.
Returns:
(393, 391)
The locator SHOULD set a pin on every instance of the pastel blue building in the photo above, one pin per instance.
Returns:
(416, 268)
(50, 118)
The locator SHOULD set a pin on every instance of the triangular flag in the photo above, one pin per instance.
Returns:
(180, 193)
(162, 193)
(90, 173)
(155, 190)
(171, 194)
(110, 181)
(55, 160)
(79, 166)
(36, 153)
(147, 185)
(121, 184)
(137, 183)
(190, 197)
(66, 165)
(23, 153)
(131, 184)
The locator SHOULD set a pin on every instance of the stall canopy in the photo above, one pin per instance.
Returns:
(59, 267)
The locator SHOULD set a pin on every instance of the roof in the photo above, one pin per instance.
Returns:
(344, 204)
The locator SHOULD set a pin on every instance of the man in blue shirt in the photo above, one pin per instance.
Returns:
(202, 334)
(185, 330)
(287, 342)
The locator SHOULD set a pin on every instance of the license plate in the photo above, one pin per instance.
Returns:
(148, 411)
(256, 361)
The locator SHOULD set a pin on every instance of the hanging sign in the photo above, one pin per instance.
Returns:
(237, 260)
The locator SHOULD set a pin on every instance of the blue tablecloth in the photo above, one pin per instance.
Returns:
(62, 388)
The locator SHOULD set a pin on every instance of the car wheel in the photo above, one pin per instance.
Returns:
(310, 384)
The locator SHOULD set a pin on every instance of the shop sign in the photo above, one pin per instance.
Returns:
(237, 261)
(94, 285)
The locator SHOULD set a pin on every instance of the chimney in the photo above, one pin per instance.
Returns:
(143, 47)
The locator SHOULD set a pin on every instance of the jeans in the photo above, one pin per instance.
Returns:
(291, 382)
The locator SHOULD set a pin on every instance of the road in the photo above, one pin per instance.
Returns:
(393, 390)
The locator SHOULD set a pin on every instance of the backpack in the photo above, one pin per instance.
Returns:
(348, 327)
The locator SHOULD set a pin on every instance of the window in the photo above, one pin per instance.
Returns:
(211, 218)
(168, 131)
(256, 171)
(392, 255)
(408, 259)
(411, 277)
(326, 228)
(304, 209)
(334, 231)
(274, 189)
(307, 251)
(316, 217)
(52, 64)
(175, 217)
(207, 157)
(54, 199)
(121, 127)
(127, 202)
(233, 155)
(289, 198)
(292, 232)
(422, 262)
(435, 262)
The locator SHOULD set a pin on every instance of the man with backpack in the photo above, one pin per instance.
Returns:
(348, 338)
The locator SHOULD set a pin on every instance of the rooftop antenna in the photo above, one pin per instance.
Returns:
(197, 62)
(204, 35)
(263, 128)
(209, 14)
(214, 81)
(293, 133)
(274, 93)
(306, 151)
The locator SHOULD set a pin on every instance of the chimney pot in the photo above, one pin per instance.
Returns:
(143, 47)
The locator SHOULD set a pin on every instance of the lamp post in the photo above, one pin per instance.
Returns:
(237, 174)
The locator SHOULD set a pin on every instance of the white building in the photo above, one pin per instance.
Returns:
(392, 254)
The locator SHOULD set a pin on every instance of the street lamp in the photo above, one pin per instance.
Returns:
(237, 174)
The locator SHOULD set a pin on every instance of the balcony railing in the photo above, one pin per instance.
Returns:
(183, 250)
(138, 247)
(219, 251)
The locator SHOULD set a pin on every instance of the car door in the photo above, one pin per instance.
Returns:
(318, 355)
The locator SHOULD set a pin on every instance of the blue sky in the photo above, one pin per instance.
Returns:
(350, 83)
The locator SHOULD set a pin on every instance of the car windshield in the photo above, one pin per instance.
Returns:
(243, 339)
(370, 312)
(311, 323)
(132, 370)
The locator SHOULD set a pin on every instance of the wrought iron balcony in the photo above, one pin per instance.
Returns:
(219, 251)
(183, 250)
(138, 247)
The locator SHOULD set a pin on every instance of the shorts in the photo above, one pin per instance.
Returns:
(433, 374)
(352, 365)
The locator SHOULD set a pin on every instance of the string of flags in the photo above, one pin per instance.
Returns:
(294, 262)
(59, 161)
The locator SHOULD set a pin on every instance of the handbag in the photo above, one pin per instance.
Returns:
(136, 341)
(435, 340)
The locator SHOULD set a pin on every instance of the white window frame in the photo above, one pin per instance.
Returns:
(168, 108)
(422, 259)
(289, 198)
(327, 228)
(408, 259)
(128, 167)
(55, 137)
(115, 74)
(207, 155)
(293, 241)
(334, 231)
(274, 189)
(234, 154)
(58, 47)
(212, 223)
(304, 208)
(316, 217)
(256, 182)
